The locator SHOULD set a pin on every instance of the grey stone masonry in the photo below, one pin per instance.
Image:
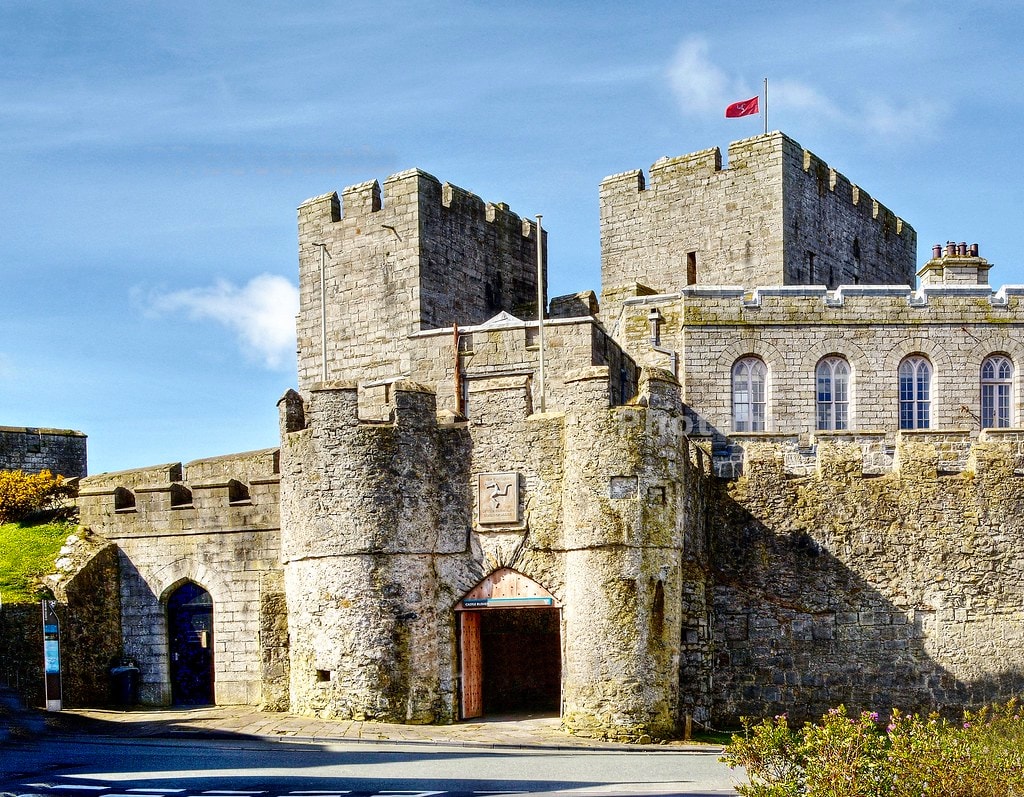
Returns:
(955, 327)
(777, 215)
(417, 255)
(60, 451)
(214, 522)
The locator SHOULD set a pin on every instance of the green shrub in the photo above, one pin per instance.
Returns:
(911, 756)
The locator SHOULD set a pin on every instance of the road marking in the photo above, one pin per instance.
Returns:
(396, 792)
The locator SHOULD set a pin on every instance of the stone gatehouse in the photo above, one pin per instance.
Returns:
(767, 471)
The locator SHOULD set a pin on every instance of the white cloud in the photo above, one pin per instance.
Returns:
(261, 313)
(704, 89)
(701, 86)
(915, 119)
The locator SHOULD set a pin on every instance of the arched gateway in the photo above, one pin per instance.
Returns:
(509, 647)
(190, 642)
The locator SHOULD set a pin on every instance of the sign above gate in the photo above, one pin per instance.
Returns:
(506, 589)
(497, 498)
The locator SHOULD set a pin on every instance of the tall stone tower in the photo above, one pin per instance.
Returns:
(777, 215)
(375, 267)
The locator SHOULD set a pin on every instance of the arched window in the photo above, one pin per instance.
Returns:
(996, 390)
(915, 393)
(749, 377)
(833, 379)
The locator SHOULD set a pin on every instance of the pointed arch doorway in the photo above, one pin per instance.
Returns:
(190, 643)
(510, 648)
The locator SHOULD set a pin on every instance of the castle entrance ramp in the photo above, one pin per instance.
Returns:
(190, 642)
(509, 647)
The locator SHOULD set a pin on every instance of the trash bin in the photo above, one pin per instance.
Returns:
(124, 685)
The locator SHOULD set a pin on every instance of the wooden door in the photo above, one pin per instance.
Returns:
(190, 632)
(472, 665)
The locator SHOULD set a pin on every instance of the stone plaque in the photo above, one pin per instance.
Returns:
(497, 497)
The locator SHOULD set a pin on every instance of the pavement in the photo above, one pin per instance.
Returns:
(540, 731)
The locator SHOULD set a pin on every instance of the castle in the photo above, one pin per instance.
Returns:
(764, 472)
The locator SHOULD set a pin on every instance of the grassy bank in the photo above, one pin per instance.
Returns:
(27, 553)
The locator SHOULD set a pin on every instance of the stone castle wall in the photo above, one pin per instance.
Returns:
(757, 222)
(382, 536)
(31, 450)
(506, 350)
(902, 590)
(214, 522)
(869, 565)
(419, 255)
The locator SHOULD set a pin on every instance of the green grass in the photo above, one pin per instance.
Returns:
(27, 552)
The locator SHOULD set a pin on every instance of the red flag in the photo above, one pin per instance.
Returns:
(743, 108)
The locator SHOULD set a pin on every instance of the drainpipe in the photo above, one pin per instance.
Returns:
(540, 311)
(458, 371)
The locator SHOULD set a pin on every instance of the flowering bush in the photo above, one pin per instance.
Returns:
(910, 756)
(21, 493)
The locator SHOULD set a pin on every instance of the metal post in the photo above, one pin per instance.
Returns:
(766, 106)
(540, 311)
(323, 307)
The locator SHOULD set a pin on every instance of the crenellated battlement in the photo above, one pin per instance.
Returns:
(824, 176)
(401, 405)
(750, 157)
(224, 493)
(917, 455)
(379, 263)
(408, 188)
(775, 214)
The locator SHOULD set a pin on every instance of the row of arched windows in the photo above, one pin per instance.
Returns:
(833, 377)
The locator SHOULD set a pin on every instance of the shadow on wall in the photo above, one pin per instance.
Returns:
(895, 591)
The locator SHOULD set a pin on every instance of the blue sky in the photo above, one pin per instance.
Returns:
(152, 156)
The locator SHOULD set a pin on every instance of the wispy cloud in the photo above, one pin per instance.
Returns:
(260, 313)
(703, 88)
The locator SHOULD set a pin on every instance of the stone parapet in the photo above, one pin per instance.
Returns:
(30, 449)
(238, 491)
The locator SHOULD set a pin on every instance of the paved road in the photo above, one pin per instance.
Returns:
(252, 767)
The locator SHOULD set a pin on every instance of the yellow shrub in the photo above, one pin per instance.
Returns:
(21, 493)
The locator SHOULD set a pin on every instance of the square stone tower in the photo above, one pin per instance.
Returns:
(776, 215)
(420, 255)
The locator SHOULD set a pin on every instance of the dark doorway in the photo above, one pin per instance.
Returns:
(521, 658)
(190, 633)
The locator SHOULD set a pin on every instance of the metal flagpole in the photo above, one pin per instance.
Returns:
(766, 106)
(540, 311)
